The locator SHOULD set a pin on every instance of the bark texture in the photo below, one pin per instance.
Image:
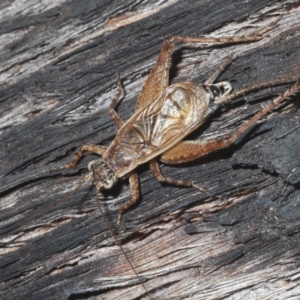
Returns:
(59, 61)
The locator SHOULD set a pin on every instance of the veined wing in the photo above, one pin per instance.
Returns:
(157, 127)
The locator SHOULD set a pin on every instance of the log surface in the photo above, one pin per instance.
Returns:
(59, 61)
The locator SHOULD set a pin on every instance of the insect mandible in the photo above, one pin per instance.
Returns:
(165, 115)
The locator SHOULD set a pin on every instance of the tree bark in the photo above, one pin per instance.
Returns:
(59, 62)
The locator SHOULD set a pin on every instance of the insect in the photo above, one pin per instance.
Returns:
(165, 115)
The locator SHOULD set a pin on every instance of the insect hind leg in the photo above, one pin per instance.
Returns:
(154, 168)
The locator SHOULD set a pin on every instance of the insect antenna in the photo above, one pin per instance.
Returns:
(216, 74)
(109, 226)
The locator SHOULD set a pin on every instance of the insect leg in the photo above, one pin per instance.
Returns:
(154, 167)
(255, 87)
(84, 148)
(134, 187)
(256, 36)
(158, 79)
(114, 102)
(187, 151)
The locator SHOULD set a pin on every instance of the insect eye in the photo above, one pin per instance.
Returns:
(215, 90)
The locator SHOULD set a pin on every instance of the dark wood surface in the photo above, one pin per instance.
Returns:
(59, 62)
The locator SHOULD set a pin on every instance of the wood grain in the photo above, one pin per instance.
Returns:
(59, 62)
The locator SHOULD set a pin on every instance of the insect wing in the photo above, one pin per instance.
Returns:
(157, 127)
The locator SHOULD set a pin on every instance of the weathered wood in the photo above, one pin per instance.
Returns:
(58, 74)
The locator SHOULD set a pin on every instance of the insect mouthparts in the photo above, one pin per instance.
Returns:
(219, 91)
(225, 87)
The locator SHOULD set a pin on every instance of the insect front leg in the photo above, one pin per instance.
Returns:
(158, 79)
(154, 167)
(84, 148)
(253, 88)
(135, 193)
(256, 36)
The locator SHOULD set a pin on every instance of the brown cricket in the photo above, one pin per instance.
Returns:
(165, 114)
